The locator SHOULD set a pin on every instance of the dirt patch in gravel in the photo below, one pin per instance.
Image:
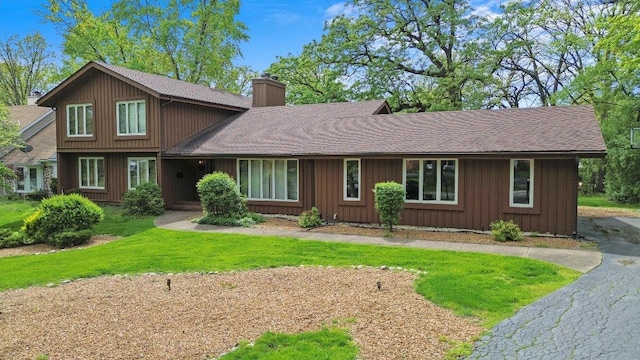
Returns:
(205, 315)
(44, 248)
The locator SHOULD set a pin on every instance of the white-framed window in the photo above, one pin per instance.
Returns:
(79, 120)
(521, 183)
(28, 179)
(91, 172)
(351, 179)
(141, 170)
(268, 179)
(131, 117)
(433, 181)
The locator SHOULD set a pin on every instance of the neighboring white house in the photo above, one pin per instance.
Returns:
(35, 164)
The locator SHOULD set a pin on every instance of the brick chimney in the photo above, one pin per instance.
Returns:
(268, 91)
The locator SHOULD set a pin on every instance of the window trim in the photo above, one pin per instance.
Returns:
(93, 158)
(438, 181)
(138, 158)
(136, 101)
(531, 203)
(297, 200)
(344, 180)
(84, 106)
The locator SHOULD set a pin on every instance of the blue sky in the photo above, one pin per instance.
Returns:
(276, 27)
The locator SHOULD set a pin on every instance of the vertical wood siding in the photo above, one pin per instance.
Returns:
(180, 121)
(103, 91)
(483, 191)
(116, 175)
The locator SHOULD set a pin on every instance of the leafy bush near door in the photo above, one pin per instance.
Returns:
(222, 202)
(62, 221)
(144, 200)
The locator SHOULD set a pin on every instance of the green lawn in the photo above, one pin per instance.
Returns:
(603, 201)
(488, 287)
(13, 212)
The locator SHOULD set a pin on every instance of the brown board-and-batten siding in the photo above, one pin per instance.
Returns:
(483, 195)
(103, 91)
(181, 120)
(116, 175)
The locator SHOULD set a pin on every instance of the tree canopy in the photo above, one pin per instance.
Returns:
(190, 40)
(26, 66)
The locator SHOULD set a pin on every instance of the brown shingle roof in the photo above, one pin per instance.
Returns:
(43, 142)
(158, 86)
(26, 114)
(332, 129)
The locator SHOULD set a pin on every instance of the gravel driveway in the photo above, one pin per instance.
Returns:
(205, 315)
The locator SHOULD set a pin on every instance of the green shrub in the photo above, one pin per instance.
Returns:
(70, 238)
(506, 231)
(220, 197)
(37, 195)
(310, 218)
(145, 199)
(10, 239)
(389, 201)
(217, 220)
(61, 213)
(53, 186)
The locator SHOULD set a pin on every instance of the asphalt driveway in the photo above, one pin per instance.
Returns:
(595, 317)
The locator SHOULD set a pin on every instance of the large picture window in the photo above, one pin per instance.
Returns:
(142, 170)
(268, 179)
(352, 179)
(80, 120)
(521, 183)
(91, 171)
(131, 117)
(431, 180)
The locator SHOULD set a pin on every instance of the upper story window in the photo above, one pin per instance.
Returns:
(433, 181)
(142, 170)
(351, 179)
(268, 179)
(131, 117)
(80, 120)
(521, 183)
(91, 172)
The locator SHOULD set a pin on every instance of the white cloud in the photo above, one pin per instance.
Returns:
(339, 9)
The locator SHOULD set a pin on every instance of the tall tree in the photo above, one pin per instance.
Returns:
(420, 55)
(25, 66)
(542, 45)
(191, 40)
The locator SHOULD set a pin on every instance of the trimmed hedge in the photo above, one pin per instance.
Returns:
(145, 199)
(59, 217)
(389, 201)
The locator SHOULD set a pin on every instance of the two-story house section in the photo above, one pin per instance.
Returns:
(113, 124)
(117, 128)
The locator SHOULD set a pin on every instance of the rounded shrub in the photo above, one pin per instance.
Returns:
(389, 201)
(506, 231)
(145, 199)
(59, 216)
(220, 197)
(310, 218)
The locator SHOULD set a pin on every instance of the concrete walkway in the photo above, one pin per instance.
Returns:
(581, 260)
